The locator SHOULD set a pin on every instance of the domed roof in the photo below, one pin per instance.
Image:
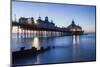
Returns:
(46, 18)
(79, 27)
(73, 25)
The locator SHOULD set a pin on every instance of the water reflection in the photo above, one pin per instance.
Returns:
(36, 43)
(75, 50)
(75, 39)
(67, 49)
(37, 60)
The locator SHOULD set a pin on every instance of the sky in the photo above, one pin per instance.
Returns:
(61, 14)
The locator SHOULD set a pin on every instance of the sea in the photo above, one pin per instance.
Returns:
(68, 49)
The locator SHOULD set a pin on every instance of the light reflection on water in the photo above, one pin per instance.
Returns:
(75, 50)
(37, 60)
(36, 43)
(75, 39)
(68, 49)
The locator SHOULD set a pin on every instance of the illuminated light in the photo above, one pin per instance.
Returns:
(75, 40)
(20, 30)
(36, 43)
(31, 31)
(28, 31)
(29, 21)
(78, 40)
(78, 29)
(36, 22)
(73, 29)
(14, 29)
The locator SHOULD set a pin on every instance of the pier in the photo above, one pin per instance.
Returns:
(28, 27)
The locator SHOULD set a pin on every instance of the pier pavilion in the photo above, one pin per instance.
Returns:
(74, 29)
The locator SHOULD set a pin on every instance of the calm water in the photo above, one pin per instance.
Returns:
(68, 49)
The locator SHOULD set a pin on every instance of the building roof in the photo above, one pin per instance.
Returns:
(73, 25)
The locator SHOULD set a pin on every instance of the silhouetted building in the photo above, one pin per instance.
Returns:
(45, 23)
(46, 18)
(74, 29)
(26, 20)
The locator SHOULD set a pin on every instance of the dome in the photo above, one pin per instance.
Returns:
(79, 27)
(46, 18)
(74, 27)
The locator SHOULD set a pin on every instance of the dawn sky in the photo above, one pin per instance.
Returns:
(61, 14)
